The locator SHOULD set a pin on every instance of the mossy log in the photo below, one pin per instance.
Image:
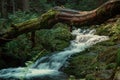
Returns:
(68, 16)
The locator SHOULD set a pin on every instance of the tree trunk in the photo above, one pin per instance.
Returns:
(4, 13)
(9, 6)
(68, 16)
(23, 5)
(13, 6)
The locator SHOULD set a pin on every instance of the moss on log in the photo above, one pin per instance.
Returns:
(42, 22)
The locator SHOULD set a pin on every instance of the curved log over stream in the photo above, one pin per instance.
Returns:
(68, 16)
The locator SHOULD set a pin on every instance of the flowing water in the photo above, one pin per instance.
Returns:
(47, 67)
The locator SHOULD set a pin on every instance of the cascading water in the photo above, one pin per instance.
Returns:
(49, 65)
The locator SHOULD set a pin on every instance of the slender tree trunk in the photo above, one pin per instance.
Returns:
(4, 12)
(25, 5)
(13, 6)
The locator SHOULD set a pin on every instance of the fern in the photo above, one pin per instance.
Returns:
(29, 63)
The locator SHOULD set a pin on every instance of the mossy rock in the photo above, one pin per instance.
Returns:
(55, 39)
(112, 30)
(90, 77)
(79, 65)
(109, 55)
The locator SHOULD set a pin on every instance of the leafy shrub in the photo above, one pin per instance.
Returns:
(118, 57)
(90, 77)
(111, 66)
(20, 16)
(83, 4)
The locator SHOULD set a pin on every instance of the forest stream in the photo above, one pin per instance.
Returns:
(48, 67)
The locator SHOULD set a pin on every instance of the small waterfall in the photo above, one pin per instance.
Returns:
(82, 41)
(49, 65)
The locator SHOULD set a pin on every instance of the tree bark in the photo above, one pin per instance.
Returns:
(23, 5)
(4, 12)
(68, 16)
(13, 6)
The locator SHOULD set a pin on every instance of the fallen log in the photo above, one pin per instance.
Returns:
(68, 16)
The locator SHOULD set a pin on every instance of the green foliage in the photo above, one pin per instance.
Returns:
(20, 16)
(18, 45)
(111, 66)
(79, 65)
(16, 18)
(90, 77)
(54, 39)
(72, 77)
(44, 19)
(40, 6)
(29, 63)
(2, 25)
(118, 58)
(111, 30)
(83, 4)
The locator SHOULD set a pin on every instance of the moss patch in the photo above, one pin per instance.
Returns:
(55, 39)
